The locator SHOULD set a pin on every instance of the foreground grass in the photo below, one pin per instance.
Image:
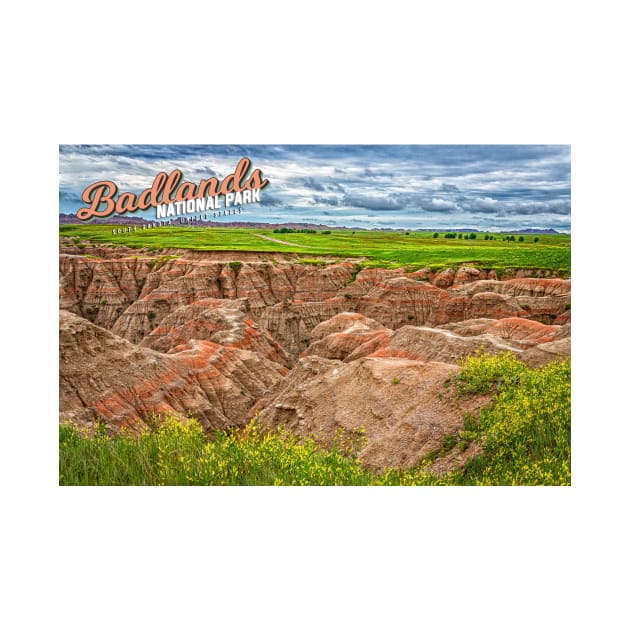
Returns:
(384, 249)
(180, 454)
(526, 435)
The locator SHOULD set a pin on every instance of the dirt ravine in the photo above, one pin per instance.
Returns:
(316, 348)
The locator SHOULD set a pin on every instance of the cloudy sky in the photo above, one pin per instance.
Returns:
(365, 186)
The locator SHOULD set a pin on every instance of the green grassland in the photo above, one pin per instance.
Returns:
(379, 248)
(525, 434)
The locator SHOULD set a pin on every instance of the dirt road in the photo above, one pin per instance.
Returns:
(275, 240)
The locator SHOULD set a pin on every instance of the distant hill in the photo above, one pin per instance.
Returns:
(523, 231)
(462, 230)
(65, 219)
(532, 231)
(124, 220)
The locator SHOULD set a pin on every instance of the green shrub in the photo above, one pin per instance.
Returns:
(526, 433)
(312, 261)
(482, 373)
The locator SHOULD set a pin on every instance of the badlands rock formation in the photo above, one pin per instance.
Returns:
(225, 322)
(397, 402)
(104, 376)
(223, 335)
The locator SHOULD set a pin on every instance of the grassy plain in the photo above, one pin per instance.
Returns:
(379, 248)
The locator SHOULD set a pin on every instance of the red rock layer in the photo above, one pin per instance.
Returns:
(342, 322)
(104, 376)
(225, 322)
(356, 340)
